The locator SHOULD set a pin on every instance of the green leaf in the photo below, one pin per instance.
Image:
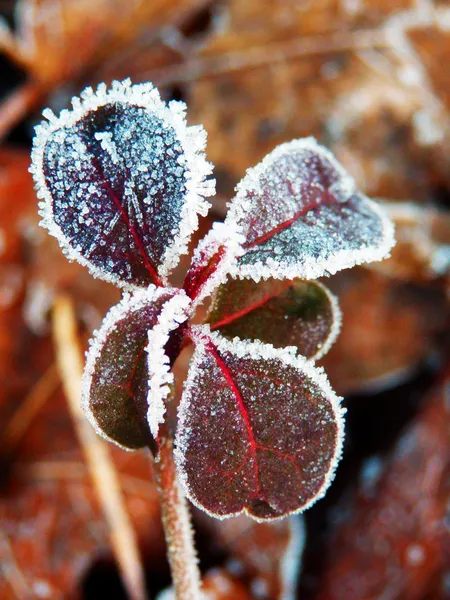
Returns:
(283, 313)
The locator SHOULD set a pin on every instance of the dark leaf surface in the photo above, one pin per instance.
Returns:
(118, 374)
(301, 216)
(259, 430)
(116, 175)
(282, 313)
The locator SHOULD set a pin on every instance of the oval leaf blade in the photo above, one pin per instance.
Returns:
(260, 430)
(122, 180)
(296, 313)
(301, 216)
(126, 371)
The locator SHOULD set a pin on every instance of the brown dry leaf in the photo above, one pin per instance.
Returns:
(220, 585)
(52, 529)
(280, 71)
(56, 41)
(422, 251)
(389, 327)
(267, 556)
(17, 198)
(393, 542)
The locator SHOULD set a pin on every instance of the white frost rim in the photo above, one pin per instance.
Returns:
(238, 210)
(129, 303)
(315, 268)
(335, 326)
(219, 235)
(192, 140)
(173, 313)
(201, 334)
(238, 207)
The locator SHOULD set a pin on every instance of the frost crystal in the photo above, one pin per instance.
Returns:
(122, 179)
(223, 242)
(260, 429)
(301, 216)
(115, 391)
(174, 313)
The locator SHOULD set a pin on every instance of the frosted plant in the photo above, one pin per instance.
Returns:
(122, 180)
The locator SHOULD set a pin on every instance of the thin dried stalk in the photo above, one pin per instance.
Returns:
(203, 67)
(29, 408)
(177, 523)
(101, 468)
(17, 105)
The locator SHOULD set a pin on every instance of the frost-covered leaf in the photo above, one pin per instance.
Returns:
(127, 370)
(283, 313)
(122, 180)
(260, 430)
(301, 216)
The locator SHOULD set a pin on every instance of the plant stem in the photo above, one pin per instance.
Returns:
(101, 468)
(17, 105)
(177, 524)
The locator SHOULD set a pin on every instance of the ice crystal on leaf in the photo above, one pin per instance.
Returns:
(122, 181)
(260, 430)
(301, 216)
(125, 354)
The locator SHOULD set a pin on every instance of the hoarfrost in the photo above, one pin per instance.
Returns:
(165, 310)
(301, 216)
(122, 181)
(230, 428)
(174, 313)
(221, 238)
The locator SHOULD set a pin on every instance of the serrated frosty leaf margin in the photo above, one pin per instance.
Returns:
(172, 314)
(201, 335)
(193, 143)
(238, 209)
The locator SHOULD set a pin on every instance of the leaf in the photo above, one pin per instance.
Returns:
(390, 328)
(122, 180)
(124, 386)
(61, 43)
(302, 216)
(282, 313)
(422, 251)
(260, 430)
(391, 538)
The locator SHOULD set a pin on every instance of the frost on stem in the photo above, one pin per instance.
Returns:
(127, 372)
(260, 430)
(122, 180)
(301, 216)
(304, 314)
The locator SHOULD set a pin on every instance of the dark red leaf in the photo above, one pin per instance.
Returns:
(126, 373)
(122, 179)
(260, 430)
(301, 216)
(282, 313)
